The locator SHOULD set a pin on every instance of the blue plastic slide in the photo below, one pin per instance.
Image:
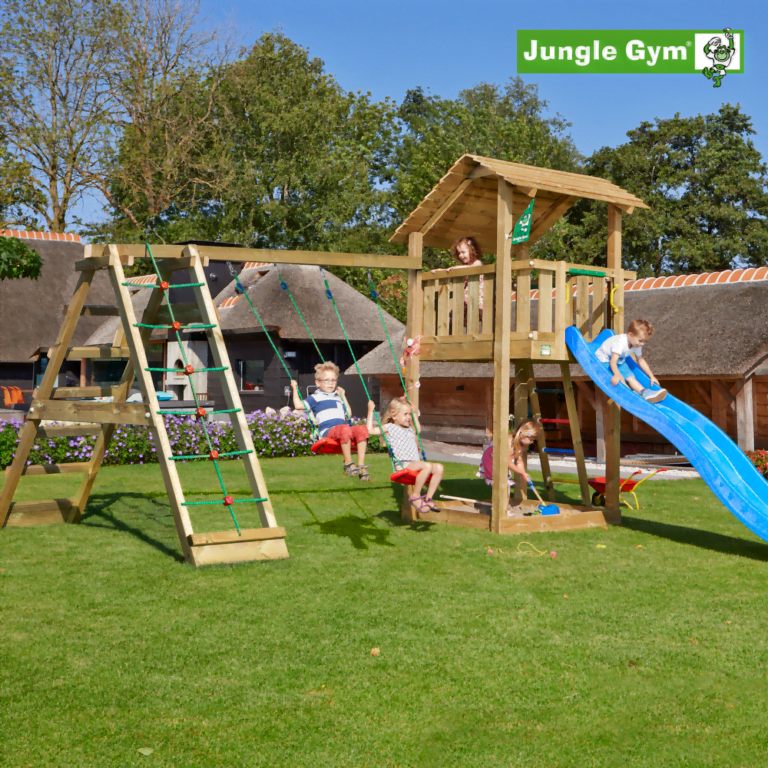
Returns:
(723, 466)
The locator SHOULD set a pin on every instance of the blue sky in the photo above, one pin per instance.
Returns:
(445, 46)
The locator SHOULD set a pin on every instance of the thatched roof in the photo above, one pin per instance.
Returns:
(360, 316)
(701, 330)
(31, 311)
(473, 181)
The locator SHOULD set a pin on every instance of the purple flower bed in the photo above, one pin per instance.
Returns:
(274, 434)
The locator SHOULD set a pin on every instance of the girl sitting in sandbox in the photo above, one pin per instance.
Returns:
(519, 442)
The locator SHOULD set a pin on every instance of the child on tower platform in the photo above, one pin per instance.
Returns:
(329, 408)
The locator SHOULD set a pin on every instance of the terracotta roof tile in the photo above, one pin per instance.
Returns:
(22, 234)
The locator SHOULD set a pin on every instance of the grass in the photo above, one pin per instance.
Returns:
(640, 645)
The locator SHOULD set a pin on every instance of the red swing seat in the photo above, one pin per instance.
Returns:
(327, 445)
(406, 477)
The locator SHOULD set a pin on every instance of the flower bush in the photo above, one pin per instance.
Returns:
(760, 460)
(274, 434)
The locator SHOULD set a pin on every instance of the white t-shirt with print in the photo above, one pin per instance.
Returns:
(618, 344)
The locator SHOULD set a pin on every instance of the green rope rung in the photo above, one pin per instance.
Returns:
(181, 370)
(234, 501)
(168, 327)
(206, 456)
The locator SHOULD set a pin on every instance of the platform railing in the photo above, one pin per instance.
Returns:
(459, 304)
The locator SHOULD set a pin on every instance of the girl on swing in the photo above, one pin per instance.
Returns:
(398, 426)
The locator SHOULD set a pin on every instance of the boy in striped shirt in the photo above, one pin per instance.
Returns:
(328, 406)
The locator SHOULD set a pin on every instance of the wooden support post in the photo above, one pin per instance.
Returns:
(56, 357)
(501, 362)
(536, 414)
(601, 414)
(414, 328)
(521, 414)
(745, 421)
(578, 447)
(612, 417)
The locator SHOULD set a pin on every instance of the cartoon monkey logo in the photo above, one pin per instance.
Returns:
(721, 57)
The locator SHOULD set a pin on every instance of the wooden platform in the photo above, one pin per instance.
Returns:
(478, 515)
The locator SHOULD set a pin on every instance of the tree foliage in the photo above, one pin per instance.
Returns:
(17, 260)
(705, 184)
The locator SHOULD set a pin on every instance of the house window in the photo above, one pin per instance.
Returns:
(251, 375)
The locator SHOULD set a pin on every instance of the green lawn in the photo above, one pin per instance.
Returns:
(643, 645)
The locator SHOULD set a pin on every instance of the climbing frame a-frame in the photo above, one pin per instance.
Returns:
(52, 404)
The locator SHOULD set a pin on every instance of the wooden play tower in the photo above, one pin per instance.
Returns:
(484, 198)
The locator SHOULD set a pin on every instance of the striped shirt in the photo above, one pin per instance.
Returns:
(328, 410)
(402, 441)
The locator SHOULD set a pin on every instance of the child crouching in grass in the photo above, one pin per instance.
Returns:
(398, 427)
(329, 408)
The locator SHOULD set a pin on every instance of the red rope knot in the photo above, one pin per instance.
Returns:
(189, 370)
(412, 349)
(213, 455)
(176, 325)
(228, 501)
(200, 412)
(164, 285)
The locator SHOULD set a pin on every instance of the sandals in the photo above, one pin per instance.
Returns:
(351, 469)
(424, 504)
(362, 472)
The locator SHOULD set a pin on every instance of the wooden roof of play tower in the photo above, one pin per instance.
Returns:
(463, 202)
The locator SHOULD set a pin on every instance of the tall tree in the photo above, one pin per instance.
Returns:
(507, 123)
(705, 184)
(53, 64)
(163, 90)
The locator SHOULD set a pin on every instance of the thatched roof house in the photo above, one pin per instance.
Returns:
(258, 371)
(31, 311)
(710, 349)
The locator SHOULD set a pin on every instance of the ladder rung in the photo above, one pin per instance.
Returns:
(184, 327)
(231, 537)
(101, 353)
(98, 413)
(205, 456)
(47, 512)
(63, 392)
(45, 432)
(52, 469)
(180, 370)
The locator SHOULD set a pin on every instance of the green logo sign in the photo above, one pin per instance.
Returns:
(713, 53)
(522, 230)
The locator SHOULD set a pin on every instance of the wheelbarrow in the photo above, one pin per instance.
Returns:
(628, 485)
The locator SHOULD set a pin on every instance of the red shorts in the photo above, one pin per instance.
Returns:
(344, 433)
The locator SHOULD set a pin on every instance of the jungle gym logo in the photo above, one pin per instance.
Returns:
(713, 53)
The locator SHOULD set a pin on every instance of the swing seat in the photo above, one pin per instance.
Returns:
(327, 445)
(406, 477)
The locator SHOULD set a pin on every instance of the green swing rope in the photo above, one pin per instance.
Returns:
(359, 372)
(284, 286)
(243, 292)
(375, 297)
(211, 449)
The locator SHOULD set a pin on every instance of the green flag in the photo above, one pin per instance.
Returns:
(522, 230)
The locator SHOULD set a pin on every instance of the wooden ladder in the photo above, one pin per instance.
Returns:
(50, 403)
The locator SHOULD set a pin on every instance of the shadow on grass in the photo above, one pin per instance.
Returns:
(98, 507)
(716, 542)
(360, 531)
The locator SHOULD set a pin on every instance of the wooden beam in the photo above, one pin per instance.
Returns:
(90, 412)
(705, 396)
(481, 171)
(501, 363)
(727, 396)
(230, 537)
(61, 393)
(98, 353)
(578, 447)
(745, 418)
(720, 403)
(23, 514)
(614, 263)
(441, 211)
(52, 469)
(238, 255)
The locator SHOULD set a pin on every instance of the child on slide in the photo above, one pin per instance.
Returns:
(328, 405)
(396, 423)
(518, 445)
(614, 351)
